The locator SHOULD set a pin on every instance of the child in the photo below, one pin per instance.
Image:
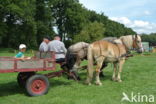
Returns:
(20, 54)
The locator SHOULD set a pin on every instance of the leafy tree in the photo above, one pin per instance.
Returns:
(91, 32)
(15, 15)
(27, 21)
(151, 38)
(22, 20)
(69, 17)
(43, 18)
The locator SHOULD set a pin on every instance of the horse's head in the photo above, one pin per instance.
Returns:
(137, 45)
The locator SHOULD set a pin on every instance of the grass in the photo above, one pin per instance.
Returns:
(139, 76)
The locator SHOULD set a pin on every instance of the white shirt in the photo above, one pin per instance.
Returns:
(43, 47)
(58, 47)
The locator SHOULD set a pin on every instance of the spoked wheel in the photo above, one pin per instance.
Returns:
(37, 85)
(22, 78)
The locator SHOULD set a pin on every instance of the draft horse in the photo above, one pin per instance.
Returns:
(106, 52)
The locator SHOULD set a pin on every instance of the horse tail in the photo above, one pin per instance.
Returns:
(70, 60)
(90, 64)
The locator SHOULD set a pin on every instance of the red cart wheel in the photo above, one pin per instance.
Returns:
(22, 78)
(37, 85)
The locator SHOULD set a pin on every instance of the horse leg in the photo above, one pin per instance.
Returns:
(89, 76)
(101, 70)
(100, 61)
(76, 66)
(121, 62)
(75, 70)
(114, 72)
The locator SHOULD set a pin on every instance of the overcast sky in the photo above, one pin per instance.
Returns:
(137, 14)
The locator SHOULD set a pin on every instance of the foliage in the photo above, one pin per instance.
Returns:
(20, 24)
(151, 38)
(27, 21)
(91, 32)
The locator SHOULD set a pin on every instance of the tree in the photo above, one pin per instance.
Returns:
(69, 17)
(24, 21)
(44, 19)
(16, 14)
(151, 38)
(91, 32)
(27, 21)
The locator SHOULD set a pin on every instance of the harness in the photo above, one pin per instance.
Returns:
(83, 48)
(134, 42)
(117, 58)
(127, 50)
(72, 57)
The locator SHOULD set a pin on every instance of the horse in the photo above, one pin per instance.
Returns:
(106, 52)
(75, 54)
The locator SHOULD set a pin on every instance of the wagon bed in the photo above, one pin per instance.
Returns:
(35, 84)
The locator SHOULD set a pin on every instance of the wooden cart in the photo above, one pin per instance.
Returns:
(35, 84)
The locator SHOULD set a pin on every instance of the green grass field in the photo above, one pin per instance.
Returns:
(139, 76)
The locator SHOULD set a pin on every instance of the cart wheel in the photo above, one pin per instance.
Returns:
(37, 85)
(22, 78)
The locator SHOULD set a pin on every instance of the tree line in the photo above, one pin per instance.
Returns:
(151, 38)
(28, 21)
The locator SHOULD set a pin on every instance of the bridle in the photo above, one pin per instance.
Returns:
(135, 45)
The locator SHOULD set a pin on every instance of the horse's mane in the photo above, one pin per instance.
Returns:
(128, 40)
(78, 46)
(110, 39)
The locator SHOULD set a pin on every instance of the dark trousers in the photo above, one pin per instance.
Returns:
(60, 60)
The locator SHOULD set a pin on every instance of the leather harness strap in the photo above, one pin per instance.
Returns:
(120, 56)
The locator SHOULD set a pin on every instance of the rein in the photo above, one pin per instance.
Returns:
(134, 42)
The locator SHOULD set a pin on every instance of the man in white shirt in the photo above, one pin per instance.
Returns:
(44, 45)
(59, 48)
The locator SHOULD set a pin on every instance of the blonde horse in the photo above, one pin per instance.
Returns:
(103, 51)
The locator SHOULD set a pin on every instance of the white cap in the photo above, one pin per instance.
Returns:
(21, 46)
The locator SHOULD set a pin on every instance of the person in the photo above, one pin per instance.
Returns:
(44, 45)
(59, 48)
(20, 54)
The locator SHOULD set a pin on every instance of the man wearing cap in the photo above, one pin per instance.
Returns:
(44, 45)
(59, 48)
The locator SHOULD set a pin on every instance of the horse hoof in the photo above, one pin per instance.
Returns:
(87, 83)
(119, 80)
(114, 79)
(78, 78)
(99, 83)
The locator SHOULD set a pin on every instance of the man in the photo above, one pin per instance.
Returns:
(44, 45)
(59, 48)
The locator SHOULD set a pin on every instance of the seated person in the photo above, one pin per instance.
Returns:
(59, 48)
(20, 55)
(44, 45)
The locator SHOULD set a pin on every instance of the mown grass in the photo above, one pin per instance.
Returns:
(139, 76)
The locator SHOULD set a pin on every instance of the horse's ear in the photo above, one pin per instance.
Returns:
(136, 36)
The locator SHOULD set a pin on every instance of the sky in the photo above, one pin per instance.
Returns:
(140, 15)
